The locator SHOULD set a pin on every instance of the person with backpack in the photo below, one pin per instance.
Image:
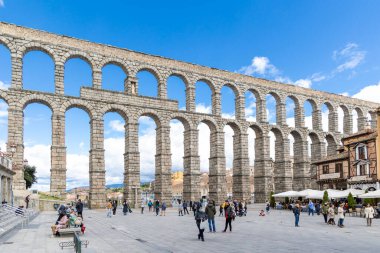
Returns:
(297, 212)
(150, 204)
(210, 212)
(229, 214)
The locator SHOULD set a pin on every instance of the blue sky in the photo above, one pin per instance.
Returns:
(330, 46)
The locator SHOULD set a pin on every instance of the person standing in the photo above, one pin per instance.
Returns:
(142, 206)
(191, 205)
(125, 207)
(325, 211)
(369, 212)
(180, 208)
(211, 211)
(340, 215)
(109, 209)
(185, 210)
(297, 212)
(114, 207)
(157, 206)
(311, 208)
(318, 208)
(221, 207)
(229, 214)
(163, 208)
(79, 207)
(27, 198)
(331, 215)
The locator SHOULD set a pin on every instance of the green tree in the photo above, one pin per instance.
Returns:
(30, 175)
(272, 201)
(351, 201)
(325, 197)
(368, 201)
(286, 200)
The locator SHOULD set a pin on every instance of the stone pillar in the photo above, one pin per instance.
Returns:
(280, 113)
(9, 191)
(301, 166)
(217, 167)
(261, 112)
(97, 196)
(132, 163)
(216, 103)
(97, 78)
(131, 85)
(333, 121)
(162, 90)
(163, 179)
(241, 172)
(317, 120)
(16, 71)
(191, 165)
(58, 156)
(299, 117)
(318, 151)
(362, 121)
(240, 108)
(59, 73)
(282, 166)
(190, 99)
(347, 123)
(15, 139)
(331, 148)
(263, 176)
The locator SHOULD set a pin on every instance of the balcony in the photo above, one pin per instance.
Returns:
(6, 162)
(360, 178)
(329, 176)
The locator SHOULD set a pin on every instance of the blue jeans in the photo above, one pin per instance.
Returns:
(311, 211)
(211, 222)
(297, 216)
(340, 222)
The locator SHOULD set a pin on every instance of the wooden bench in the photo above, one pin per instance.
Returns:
(69, 230)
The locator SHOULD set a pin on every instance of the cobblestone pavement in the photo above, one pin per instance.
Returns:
(171, 233)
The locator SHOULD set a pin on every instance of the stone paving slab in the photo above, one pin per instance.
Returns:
(172, 233)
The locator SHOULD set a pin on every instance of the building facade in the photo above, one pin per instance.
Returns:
(6, 179)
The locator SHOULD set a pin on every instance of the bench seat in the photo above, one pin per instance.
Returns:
(69, 230)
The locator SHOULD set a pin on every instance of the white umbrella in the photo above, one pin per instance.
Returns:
(289, 194)
(314, 194)
(370, 195)
(345, 193)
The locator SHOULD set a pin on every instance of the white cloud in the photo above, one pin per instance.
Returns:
(202, 108)
(350, 55)
(369, 93)
(3, 86)
(259, 65)
(116, 125)
(1, 3)
(306, 83)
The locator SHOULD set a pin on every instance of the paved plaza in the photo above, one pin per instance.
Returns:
(171, 233)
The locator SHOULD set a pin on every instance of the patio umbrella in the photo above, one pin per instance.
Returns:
(370, 195)
(290, 194)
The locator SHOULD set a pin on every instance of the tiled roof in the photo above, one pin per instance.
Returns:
(336, 157)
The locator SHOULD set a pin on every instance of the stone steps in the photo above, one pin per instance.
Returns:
(9, 221)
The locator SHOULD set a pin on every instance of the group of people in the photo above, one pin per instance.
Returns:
(69, 216)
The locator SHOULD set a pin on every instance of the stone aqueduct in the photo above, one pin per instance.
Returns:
(97, 101)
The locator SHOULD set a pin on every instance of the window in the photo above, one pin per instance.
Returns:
(325, 169)
(339, 168)
(361, 152)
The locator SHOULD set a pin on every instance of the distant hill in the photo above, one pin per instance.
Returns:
(82, 188)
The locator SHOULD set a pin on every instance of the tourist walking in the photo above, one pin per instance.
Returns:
(369, 212)
(109, 209)
(142, 206)
(340, 215)
(200, 222)
(185, 210)
(163, 208)
(195, 207)
(157, 206)
(297, 212)
(79, 207)
(125, 207)
(221, 207)
(229, 214)
(318, 208)
(210, 212)
(180, 208)
(114, 207)
(267, 206)
(191, 205)
(311, 208)
(331, 215)
(150, 204)
(27, 198)
(325, 211)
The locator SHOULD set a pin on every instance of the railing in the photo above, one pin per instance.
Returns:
(25, 214)
(6, 162)
(77, 243)
(330, 176)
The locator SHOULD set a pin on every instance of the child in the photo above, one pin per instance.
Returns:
(262, 213)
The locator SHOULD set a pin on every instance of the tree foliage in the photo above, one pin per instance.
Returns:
(351, 201)
(325, 197)
(30, 175)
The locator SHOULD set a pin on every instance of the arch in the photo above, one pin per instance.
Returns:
(181, 76)
(151, 114)
(186, 122)
(332, 144)
(311, 115)
(274, 108)
(114, 77)
(148, 87)
(152, 70)
(297, 135)
(257, 129)
(4, 96)
(8, 44)
(293, 112)
(177, 88)
(40, 99)
(73, 81)
(279, 134)
(76, 103)
(253, 105)
(81, 55)
(209, 121)
(114, 108)
(210, 84)
(115, 61)
(38, 47)
(227, 103)
(233, 88)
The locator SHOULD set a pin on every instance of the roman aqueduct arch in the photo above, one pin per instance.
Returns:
(97, 101)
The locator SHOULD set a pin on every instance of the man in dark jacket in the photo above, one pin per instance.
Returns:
(79, 207)
(229, 214)
(297, 211)
(211, 211)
